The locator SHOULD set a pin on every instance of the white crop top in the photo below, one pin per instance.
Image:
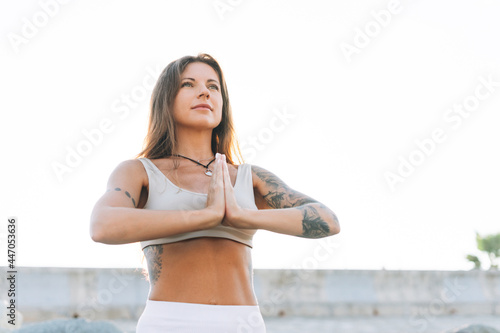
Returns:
(165, 195)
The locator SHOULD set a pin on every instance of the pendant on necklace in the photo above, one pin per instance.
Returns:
(208, 172)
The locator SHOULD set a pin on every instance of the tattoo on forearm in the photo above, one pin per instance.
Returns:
(313, 226)
(279, 194)
(153, 256)
(331, 213)
(126, 193)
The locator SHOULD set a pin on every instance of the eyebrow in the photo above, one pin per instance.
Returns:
(209, 80)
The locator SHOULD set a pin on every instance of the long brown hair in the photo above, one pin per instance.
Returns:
(160, 140)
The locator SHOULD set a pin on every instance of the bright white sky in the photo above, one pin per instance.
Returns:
(349, 122)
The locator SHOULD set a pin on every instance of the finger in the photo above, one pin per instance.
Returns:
(215, 168)
(219, 170)
(227, 178)
(228, 187)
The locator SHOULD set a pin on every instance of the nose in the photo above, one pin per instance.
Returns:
(204, 92)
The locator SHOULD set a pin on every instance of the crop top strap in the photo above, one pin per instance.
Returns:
(155, 177)
(246, 177)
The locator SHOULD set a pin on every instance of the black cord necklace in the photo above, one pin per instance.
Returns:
(208, 172)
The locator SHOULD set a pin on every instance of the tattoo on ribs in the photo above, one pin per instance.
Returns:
(126, 193)
(153, 256)
(313, 226)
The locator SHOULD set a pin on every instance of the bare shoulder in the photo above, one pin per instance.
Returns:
(133, 170)
(129, 174)
(275, 192)
(125, 186)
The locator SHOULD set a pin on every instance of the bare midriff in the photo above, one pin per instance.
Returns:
(206, 270)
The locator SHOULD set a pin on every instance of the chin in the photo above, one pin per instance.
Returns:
(201, 124)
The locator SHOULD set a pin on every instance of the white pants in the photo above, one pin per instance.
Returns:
(200, 318)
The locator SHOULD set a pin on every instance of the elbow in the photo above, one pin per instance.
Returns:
(336, 228)
(333, 223)
(329, 218)
(99, 229)
(101, 234)
(97, 233)
(106, 232)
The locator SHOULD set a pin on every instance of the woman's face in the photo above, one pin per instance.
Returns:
(198, 103)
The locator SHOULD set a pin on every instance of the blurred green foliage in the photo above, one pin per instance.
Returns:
(489, 244)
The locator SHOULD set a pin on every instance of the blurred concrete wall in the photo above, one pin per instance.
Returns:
(96, 293)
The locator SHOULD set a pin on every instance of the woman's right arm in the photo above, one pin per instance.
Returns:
(116, 220)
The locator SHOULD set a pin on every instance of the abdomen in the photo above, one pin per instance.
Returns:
(204, 270)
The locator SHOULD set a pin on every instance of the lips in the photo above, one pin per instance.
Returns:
(202, 106)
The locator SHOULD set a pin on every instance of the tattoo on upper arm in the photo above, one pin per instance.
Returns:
(153, 257)
(279, 195)
(126, 193)
(313, 225)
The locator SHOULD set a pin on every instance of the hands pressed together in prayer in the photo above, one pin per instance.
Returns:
(221, 198)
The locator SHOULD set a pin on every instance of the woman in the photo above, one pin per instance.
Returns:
(195, 211)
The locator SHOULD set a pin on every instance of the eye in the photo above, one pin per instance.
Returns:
(214, 86)
(186, 84)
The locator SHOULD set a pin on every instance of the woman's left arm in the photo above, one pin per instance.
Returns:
(282, 209)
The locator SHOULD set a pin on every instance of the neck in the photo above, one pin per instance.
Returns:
(194, 144)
